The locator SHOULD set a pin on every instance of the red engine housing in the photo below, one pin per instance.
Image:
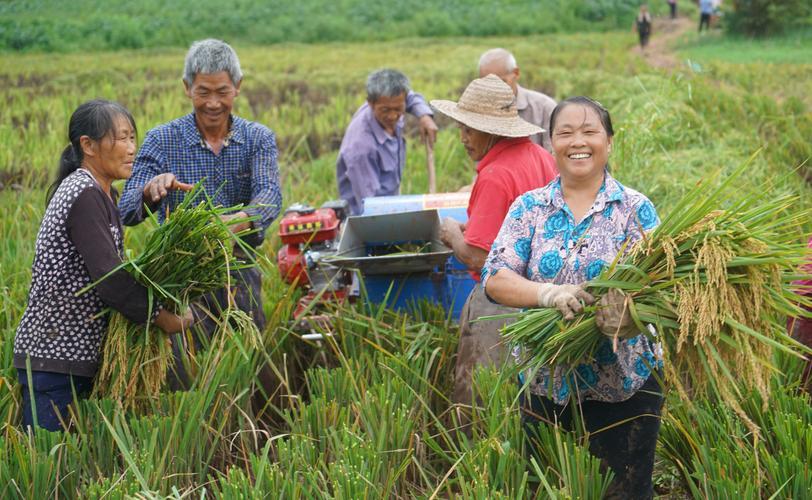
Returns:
(299, 228)
(309, 226)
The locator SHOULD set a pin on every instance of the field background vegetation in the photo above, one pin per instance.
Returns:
(367, 415)
(98, 25)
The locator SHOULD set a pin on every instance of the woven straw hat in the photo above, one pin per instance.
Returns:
(488, 105)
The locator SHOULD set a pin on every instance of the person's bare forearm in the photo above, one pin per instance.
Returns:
(472, 257)
(512, 290)
(451, 234)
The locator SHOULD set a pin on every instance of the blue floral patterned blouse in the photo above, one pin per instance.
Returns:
(541, 241)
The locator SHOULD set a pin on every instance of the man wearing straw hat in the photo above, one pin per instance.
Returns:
(533, 107)
(508, 165)
(373, 151)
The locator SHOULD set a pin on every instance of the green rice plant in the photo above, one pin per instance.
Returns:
(186, 257)
(36, 465)
(235, 348)
(284, 482)
(175, 446)
(262, 478)
(10, 397)
(496, 412)
(335, 384)
(718, 456)
(236, 484)
(498, 466)
(713, 467)
(35, 27)
(715, 283)
(388, 417)
(565, 467)
(164, 451)
(358, 469)
(111, 489)
(786, 463)
(98, 454)
(314, 419)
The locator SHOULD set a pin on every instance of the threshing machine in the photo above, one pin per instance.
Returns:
(393, 249)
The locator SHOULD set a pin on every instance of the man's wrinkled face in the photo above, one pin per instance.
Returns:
(212, 96)
(388, 110)
(476, 143)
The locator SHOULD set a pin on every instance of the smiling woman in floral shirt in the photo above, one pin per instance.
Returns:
(555, 239)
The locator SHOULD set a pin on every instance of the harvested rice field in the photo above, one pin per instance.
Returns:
(366, 412)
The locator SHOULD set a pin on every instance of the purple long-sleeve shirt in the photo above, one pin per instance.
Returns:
(370, 161)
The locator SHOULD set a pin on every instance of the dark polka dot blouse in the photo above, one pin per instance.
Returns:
(79, 241)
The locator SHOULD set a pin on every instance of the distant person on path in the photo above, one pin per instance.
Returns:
(508, 164)
(373, 151)
(643, 26)
(706, 9)
(80, 240)
(672, 4)
(235, 158)
(534, 107)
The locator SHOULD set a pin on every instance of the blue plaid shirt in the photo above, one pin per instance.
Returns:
(245, 171)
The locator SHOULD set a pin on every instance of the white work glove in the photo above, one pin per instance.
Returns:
(613, 317)
(565, 298)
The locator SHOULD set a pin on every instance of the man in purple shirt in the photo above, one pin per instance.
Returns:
(373, 151)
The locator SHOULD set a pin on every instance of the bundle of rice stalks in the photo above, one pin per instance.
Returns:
(189, 255)
(715, 283)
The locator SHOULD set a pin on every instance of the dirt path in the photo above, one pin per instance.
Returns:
(664, 32)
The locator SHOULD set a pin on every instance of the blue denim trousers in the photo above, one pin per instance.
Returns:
(52, 392)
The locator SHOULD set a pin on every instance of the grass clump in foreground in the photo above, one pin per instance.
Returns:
(189, 255)
(715, 455)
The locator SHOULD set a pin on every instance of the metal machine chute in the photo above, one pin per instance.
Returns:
(394, 248)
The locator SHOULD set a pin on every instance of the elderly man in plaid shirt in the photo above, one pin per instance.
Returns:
(235, 158)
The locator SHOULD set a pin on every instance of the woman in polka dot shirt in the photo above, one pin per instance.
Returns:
(58, 341)
(552, 241)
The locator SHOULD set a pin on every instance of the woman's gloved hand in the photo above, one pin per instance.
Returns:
(613, 316)
(565, 298)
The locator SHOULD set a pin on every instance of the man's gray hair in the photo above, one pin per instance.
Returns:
(386, 83)
(498, 55)
(211, 56)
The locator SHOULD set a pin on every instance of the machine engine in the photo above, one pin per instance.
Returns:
(310, 235)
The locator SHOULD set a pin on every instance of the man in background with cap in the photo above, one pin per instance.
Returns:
(533, 107)
(508, 165)
(373, 151)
